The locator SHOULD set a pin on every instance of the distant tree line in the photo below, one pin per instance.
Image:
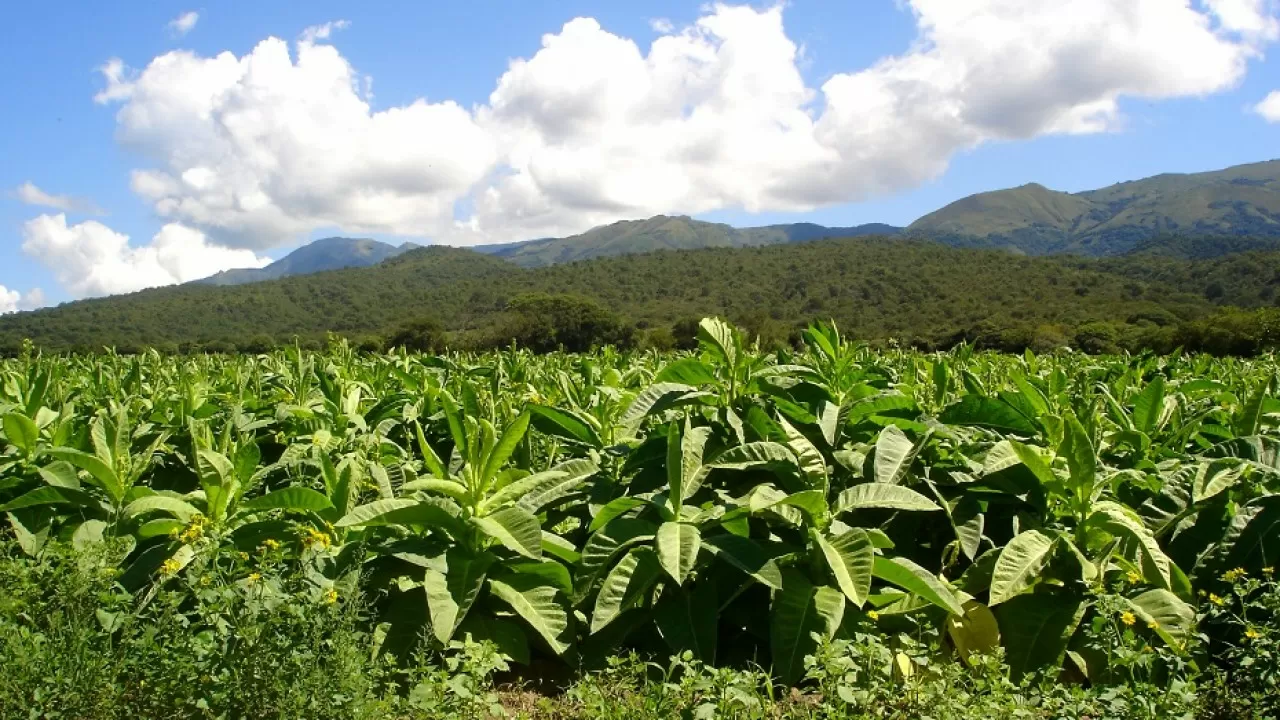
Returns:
(878, 290)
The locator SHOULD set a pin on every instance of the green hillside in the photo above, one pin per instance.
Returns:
(321, 255)
(663, 232)
(1236, 202)
(876, 288)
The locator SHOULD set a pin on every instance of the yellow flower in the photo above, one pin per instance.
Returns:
(1215, 599)
(330, 596)
(313, 538)
(170, 567)
(1268, 571)
(1128, 618)
(1233, 575)
(244, 556)
(1134, 577)
(253, 578)
(1153, 625)
(1252, 634)
(205, 581)
(873, 614)
(270, 544)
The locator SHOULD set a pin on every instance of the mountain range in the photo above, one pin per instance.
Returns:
(1241, 202)
(326, 254)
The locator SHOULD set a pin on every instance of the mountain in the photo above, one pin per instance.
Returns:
(875, 288)
(332, 253)
(663, 232)
(1238, 201)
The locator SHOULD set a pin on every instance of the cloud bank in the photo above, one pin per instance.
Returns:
(255, 151)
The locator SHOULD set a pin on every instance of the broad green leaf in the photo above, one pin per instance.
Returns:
(1214, 477)
(550, 493)
(1249, 418)
(981, 411)
(296, 498)
(564, 424)
(1171, 618)
(51, 495)
(1036, 628)
(451, 594)
(1034, 462)
(687, 619)
(1148, 406)
(756, 454)
(515, 528)
(606, 543)
(539, 605)
(1258, 544)
(893, 457)
(448, 488)
(883, 496)
(20, 431)
(810, 459)
(974, 633)
(430, 513)
(1124, 523)
(1082, 459)
(657, 398)
(429, 457)
(746, 555)
(511, 437)
(850, 556)
(678, 545)
(374, 513)
(917, 581)
(1019, 565)
(614, 508)
(721, 338)
(625, 586)
(687, 371)
(457, 428)
(180, 509)
(61, 474)
(802, 616)
(97, 469)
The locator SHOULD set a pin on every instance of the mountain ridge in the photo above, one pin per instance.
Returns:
(332, 253)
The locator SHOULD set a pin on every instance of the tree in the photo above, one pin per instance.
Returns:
(425, 334)
(545, 322)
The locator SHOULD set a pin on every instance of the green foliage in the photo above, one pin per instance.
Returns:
(886, 291)
(1072, 515)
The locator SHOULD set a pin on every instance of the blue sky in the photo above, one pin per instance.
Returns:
(57, 137)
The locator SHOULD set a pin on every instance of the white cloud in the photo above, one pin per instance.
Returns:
(9, 300)
(1269, 108)
(1256, 18)
(662, 25)
(32, 195)
(13, 301)
(91, 259)
(184, 23)
(323, 31)
(33, 299)
(261, 149)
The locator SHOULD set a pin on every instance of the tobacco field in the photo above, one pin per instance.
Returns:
(832, 518)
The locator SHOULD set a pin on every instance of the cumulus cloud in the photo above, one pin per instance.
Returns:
(260, 149)
(184, 23)
(91, 259)
(13, 301)
(32, 195)
(322, 32)
(9, 300)
(1269, 108)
